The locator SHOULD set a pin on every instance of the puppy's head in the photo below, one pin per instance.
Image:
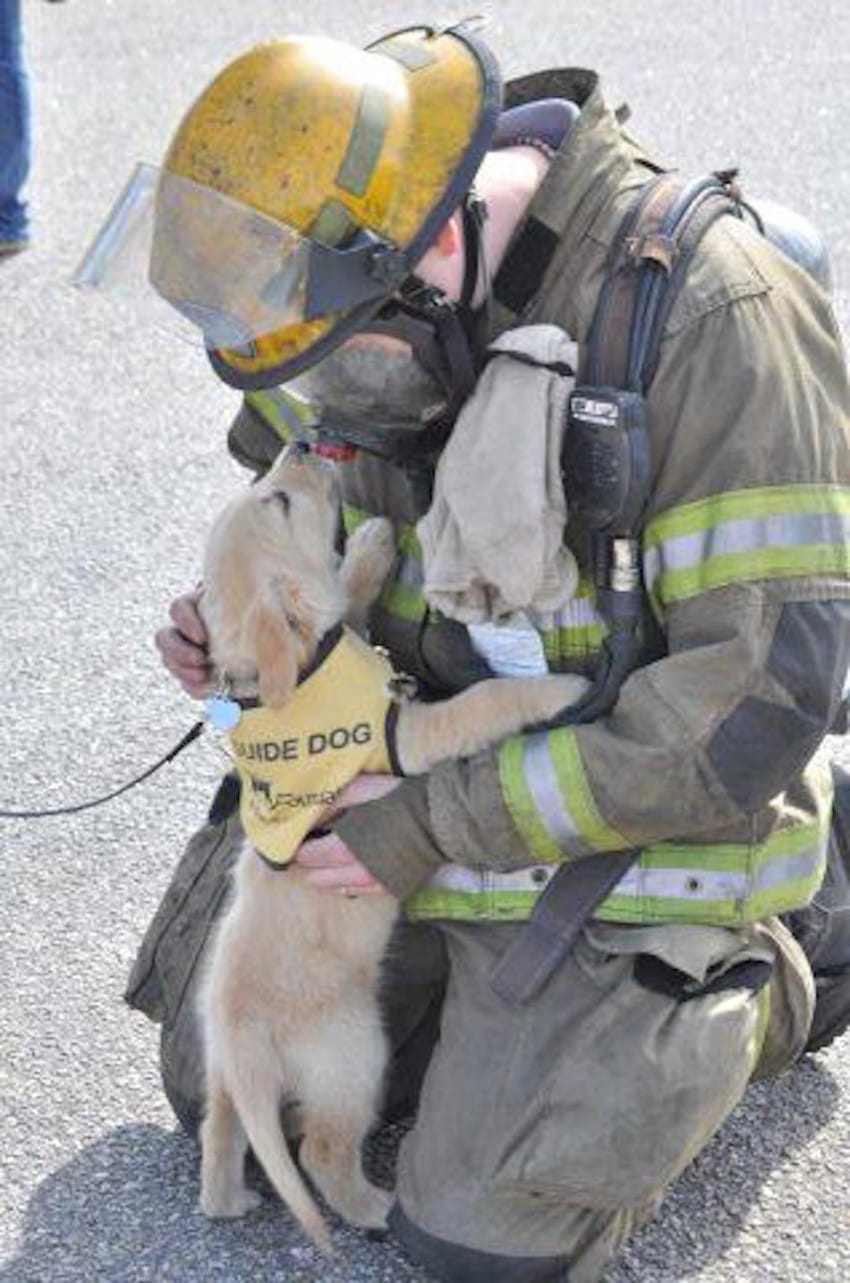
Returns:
(271, 583)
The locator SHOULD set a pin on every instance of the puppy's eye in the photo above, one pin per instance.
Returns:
(281, 497)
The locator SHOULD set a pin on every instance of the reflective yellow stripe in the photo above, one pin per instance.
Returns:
(576, 631)
(723, 884)
(286, 412)
(547, 793)
(768, 533)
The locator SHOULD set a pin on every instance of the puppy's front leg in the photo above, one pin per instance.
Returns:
(369, 555)
(482, 715)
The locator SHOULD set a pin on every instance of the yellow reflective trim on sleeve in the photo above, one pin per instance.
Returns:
(578, 795)
(401, 595)
(745, 567)
(520, 804)
(546, 790)
(748, 535)
(764, 501)
(406, 603)
(459, 906)
(720, 913)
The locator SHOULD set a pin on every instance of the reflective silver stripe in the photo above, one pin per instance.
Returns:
(675, 884)
(409, 572)
(365, 141)
(541, 780)
(580, 612)
(455, 877)
(790, 868)
(683, 884)
(725, 884)
(744, 534)
(651, 566)
(412, 56)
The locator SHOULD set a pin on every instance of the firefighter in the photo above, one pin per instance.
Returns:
(349, 229)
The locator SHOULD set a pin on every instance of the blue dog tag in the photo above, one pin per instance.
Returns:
(222, 713)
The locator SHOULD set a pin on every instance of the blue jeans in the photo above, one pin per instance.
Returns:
(14, 124)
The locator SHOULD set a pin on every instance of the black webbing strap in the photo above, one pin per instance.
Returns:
(545, 940)
(706, 206)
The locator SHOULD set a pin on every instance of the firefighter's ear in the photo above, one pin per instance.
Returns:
(276, 653)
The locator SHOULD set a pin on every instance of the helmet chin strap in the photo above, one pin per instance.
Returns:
(476, 271)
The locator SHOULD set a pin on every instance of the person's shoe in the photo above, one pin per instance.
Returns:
(12, 247)
(832, 1008)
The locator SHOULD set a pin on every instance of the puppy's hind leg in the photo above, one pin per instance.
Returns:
(339, 1096)
(224, 1145)
(256, 1082)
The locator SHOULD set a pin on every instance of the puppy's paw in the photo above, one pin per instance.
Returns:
(375, 542)
(229, 1205)
(367, 1207)
(369, 557)
(567, 688)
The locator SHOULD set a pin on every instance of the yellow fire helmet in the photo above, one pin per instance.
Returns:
(303, 186)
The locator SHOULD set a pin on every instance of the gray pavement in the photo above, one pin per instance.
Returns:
(111, 460)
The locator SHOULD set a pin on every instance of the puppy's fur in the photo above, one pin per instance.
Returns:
(289, 1005)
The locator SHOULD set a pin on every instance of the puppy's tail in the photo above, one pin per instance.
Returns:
(256, 1094)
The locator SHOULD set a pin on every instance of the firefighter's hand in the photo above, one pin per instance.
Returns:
(331, 865)
(183, 646)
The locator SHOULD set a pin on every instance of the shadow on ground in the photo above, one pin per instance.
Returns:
(124, 1210)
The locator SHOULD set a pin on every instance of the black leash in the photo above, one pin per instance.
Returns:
(187, 739)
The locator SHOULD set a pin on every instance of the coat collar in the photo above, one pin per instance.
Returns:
(596, 161)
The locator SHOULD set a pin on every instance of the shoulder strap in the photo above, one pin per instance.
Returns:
(648, 261)
(652, 250)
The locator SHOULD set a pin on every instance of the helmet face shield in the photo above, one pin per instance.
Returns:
(300, 191)
(233, 273)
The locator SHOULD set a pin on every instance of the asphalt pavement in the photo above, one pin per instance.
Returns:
(111, 461)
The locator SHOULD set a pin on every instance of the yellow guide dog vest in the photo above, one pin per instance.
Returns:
(294, 761)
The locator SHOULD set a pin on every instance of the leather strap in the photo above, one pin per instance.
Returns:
(608, 347)
(650, 255)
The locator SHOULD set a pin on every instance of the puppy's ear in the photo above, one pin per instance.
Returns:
(275, 650)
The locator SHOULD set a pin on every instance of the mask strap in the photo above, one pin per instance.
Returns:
(477, 322)
(474, 214)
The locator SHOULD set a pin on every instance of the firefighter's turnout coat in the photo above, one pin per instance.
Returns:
(709, 762)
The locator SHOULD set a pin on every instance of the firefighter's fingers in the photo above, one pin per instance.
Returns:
(182, 646)
(187, 618)
(332, 867)
(363, 788)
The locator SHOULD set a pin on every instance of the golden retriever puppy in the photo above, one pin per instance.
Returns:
(289, 1002)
